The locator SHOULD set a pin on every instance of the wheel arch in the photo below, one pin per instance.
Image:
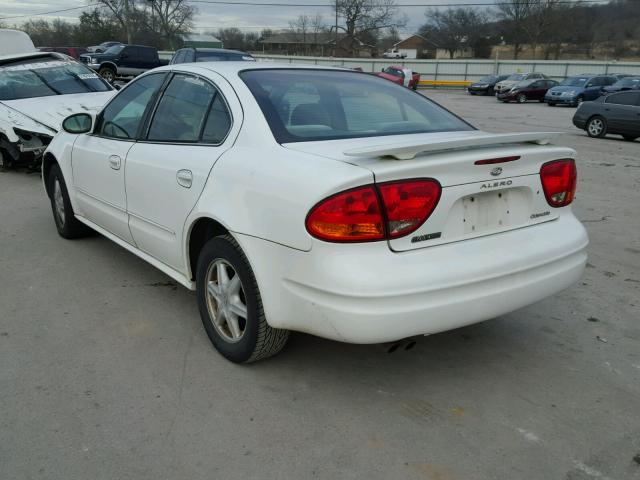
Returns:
(200, 231)
(48, 161)
(110, 65)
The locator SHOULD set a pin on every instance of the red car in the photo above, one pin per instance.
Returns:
(401, 75)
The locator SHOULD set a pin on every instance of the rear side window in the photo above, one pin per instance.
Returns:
(123, 116)
(623, 98)
(305, 105)
(191, 110)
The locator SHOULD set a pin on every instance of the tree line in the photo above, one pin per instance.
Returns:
(546, 28)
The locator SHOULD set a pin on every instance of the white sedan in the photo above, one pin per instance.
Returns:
(319, 200)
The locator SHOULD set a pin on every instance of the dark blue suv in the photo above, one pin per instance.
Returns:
(577, 89)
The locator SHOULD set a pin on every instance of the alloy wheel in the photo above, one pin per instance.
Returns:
(595, 127)
(226, 301)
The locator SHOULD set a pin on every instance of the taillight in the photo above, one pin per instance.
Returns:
(351, 216)
(358, 216)
(559, 181)
(408, 204)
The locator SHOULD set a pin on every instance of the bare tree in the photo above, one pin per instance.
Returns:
(364, 18)
(301, 26)
(174, 17)
(455, 29)
(537, 26)
(121, 11)
(515, 14)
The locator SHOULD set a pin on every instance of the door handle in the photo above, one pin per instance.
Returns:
(115, 161)
(184, 178)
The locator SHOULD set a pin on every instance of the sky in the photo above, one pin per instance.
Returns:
(210, 17)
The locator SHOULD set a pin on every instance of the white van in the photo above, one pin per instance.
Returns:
(15, 41)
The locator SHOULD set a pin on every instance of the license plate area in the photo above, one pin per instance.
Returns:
(492, 211)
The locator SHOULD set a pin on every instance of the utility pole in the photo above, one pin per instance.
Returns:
(127, 25)
(335, 49)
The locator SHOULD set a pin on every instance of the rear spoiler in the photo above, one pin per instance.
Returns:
(409, 149)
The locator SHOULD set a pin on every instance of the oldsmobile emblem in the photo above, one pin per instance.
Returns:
(496, 171)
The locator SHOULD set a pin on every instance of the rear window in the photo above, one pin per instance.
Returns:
(306, 105)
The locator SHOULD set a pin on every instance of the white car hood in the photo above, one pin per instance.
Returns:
(45, 114)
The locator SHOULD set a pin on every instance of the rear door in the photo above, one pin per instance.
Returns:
(623, 113)
(191, 127)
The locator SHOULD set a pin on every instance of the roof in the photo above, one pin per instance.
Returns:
(200, 37)
(36, 54)
(213, 50)
(417, 36)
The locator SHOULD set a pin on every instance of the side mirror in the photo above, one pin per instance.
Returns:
(78, 123)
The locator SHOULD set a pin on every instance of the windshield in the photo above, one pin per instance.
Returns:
(629, 82)
(489, 79)
(48, 77)
(574, 81)
(114, 50)
(306, 105)
(517, 77)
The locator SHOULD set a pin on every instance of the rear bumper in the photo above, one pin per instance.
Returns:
(365, 293)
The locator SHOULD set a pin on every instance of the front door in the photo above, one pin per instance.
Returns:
(98, 160)
(167, 171)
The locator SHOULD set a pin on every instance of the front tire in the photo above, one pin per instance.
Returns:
(596, 127)
(67, 224)
(551, 104)
(521, 98)
(230, 304)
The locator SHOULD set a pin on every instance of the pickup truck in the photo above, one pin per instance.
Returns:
(401, 75)
(394, 53)
(123, 61)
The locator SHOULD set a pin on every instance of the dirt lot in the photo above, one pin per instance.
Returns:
(106, 372)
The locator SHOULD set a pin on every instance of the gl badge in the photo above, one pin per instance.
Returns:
(496, 171)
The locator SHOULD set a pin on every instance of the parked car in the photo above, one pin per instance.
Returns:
(514, 79)
(394, 53)
(626, 83)
(620, 76)
(123, 61)
(15, 42)
(617, 113)
(103, 47)
(73, 52)
(37, 91)
(527, 90)
(575, 90)
(401, 75)
(486, 85)
(269, 189)
(190, 54)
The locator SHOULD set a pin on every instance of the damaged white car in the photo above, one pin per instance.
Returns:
(37, 91)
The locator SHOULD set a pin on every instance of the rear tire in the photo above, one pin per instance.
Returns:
(107, 73)
(67, 224)
(629, 138)
(596, 127)
(231, 310)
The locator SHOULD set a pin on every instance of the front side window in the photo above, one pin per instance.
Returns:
(47, 77)
(304, 105)
(624, 98)
(183, 113)
(123, 116)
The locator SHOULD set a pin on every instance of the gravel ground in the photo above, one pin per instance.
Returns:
(106, 372)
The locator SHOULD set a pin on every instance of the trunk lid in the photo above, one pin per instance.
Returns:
(476, 200)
